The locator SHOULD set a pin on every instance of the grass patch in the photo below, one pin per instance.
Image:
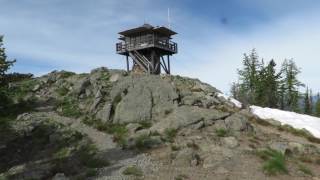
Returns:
(23, 88)
(299, 132)
(221, 132)
(66, 74)
(170, 134)
(69, 108)
(119, 131)
(144, 142)
(274, 161)
(91, 172)
(87, 156)
(62, 91)
(133, 170)
(305, 170)
(175, 147)
(62, 153)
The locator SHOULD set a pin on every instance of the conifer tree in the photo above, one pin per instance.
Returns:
(292, 84)
(282, 91)
(269, 85)
(249, 77)
(311, 102)
(5, 64)
(317, 106)
(307, 102)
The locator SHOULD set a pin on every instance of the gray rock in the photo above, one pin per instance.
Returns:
(138, 98)
(230, 142)
(279, 146)
(115, 77)
(237, 122)
(296, 147)
(36, 87)
(183, 158)
(132, 127)
(220, 124)
(188, 115)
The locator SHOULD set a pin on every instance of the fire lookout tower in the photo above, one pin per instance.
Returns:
(147, 46)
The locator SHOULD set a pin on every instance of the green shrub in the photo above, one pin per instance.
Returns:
(87, 155)
(62, 153)
(66, 74)
(70, 108)
(144, 142)
(175, 148)
(91, 172)
(274, 161)
(133, 170)
(170, 134)
(62, 91)
(119, 132)
(221, 132)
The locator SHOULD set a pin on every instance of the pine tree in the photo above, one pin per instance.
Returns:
(292, 84)
(5, 64)
(271, 85)
(317, 106)
(307, 103)
(4, 67)
(282, 91)
(249, 77)
(311, 102)
(235, 90)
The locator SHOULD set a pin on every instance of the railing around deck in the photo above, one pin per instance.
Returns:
(122, 47)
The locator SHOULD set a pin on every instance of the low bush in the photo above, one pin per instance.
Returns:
(69, 108)
(133, 170)
(275, 161)
(221, 132)
(170, 134)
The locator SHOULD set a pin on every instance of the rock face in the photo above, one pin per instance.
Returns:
(138, 99)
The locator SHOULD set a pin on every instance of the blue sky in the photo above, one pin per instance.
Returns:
(79, 35)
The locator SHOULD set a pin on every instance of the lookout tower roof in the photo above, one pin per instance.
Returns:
(147, 28)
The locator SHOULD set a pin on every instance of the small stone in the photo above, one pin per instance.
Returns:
(36, 88)
(230, 142)
(279, 146)
(221, 170)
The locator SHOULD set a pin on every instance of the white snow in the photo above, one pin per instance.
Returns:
(298, 121)
(232, 100)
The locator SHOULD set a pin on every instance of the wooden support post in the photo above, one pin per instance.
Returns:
(168, 59)
(127, 58)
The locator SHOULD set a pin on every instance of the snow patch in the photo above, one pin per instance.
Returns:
(298, 121)
(232, 100)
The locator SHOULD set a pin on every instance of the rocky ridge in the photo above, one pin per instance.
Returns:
(127, 126)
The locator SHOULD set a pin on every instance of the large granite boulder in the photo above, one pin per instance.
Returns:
(142, 98)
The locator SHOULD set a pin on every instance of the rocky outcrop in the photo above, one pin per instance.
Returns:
(188, 123)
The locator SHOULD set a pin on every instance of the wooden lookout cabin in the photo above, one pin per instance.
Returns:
(148, 47)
